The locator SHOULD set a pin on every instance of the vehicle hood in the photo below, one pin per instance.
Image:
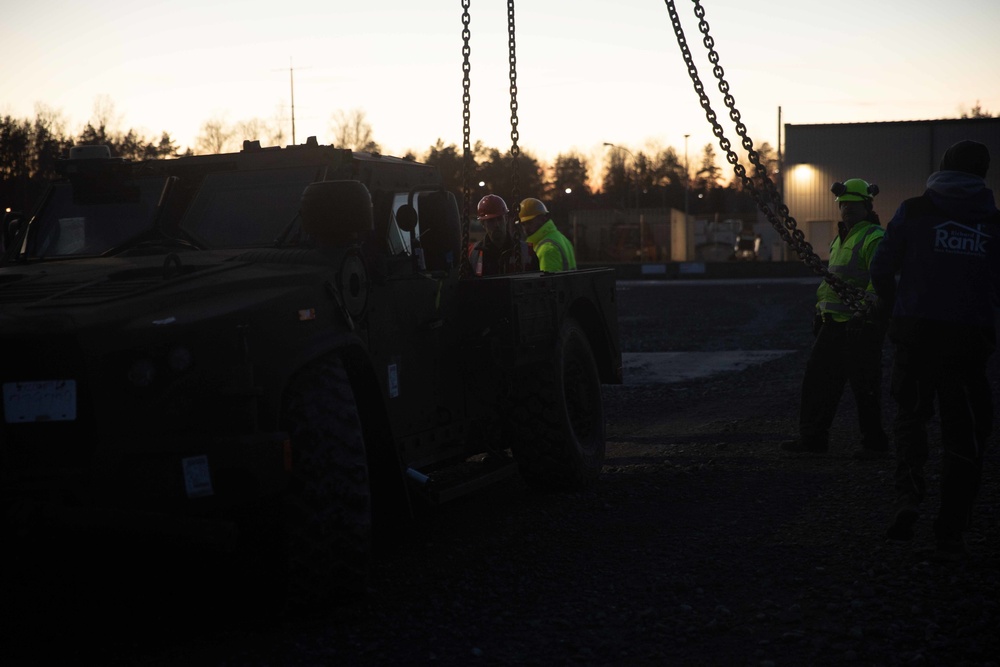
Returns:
(79, 293)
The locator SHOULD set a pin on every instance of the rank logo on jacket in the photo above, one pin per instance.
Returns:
(953, 237)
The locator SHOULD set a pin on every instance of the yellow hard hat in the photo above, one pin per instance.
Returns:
(531, 208)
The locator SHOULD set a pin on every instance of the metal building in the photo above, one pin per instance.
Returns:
(897, 156)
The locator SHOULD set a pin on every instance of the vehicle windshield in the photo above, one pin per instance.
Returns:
(69, 225)
(246, 208)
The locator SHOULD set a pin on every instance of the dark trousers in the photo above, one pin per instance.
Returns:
(948, 362)
(844, 352)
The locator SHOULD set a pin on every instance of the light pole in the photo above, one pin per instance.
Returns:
(687, 178)
(635, 170)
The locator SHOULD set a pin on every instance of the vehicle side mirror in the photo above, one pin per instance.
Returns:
(406, 217)
(441, 230)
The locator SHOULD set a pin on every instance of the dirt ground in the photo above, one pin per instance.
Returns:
(702, 544)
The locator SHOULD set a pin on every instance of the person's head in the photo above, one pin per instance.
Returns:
(492, 214)
(532, 215)
(854, 197)
(970, 157)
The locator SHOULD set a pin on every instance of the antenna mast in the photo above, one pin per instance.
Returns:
(291, 79)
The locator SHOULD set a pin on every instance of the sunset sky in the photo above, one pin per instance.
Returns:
(589, 71)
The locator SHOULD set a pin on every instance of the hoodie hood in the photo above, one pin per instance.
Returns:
(958, 193)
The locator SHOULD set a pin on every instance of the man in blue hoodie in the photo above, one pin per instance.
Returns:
(945, 246)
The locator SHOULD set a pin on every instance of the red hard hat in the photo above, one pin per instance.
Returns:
(491, 206)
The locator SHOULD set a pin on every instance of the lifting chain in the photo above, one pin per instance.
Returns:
(769, 202)
(467, 164)
(514, 150)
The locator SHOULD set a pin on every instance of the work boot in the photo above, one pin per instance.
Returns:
(800, 445)
(901, 528)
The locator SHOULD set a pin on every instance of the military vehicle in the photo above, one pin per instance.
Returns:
(276, 352)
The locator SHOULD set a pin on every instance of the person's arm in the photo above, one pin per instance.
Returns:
(993, 261)
(887, 260)
(549, 257)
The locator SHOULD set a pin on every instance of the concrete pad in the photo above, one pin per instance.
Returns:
(641, 368)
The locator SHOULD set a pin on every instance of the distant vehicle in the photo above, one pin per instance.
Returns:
(271, 352)
(747, 247)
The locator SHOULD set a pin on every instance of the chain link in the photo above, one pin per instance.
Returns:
(515, 152)
(467, 162)
(769, 202)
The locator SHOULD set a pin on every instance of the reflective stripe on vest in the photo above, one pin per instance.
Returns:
(476, 260)
(850, 270)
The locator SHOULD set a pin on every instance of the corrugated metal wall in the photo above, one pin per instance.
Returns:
(897, 156)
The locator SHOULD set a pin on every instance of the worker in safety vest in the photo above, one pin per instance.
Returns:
(554, 251)
(848, 346)
(493, 255)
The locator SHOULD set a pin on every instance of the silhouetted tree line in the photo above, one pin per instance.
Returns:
(651, 178)
(638, 179)
(29, 150)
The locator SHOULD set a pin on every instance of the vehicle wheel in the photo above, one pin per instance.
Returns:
(559, 418)
(326, 514)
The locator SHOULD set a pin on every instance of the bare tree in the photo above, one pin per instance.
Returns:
(214, 136)
(105, 118)
(351, 130)
(50, 140)
(276, 135)
(269, 133)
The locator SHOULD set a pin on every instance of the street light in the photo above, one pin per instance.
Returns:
(635, 169)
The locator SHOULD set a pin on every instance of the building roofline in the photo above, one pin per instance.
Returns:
(900, 122)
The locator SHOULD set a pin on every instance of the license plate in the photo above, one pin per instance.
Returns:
(45, 401)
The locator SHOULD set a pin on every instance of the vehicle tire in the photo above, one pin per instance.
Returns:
(558, 416)
(326, 513)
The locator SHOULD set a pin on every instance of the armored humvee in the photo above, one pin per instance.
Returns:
(275, 352)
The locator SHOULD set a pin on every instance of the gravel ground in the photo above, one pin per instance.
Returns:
(702, 543)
